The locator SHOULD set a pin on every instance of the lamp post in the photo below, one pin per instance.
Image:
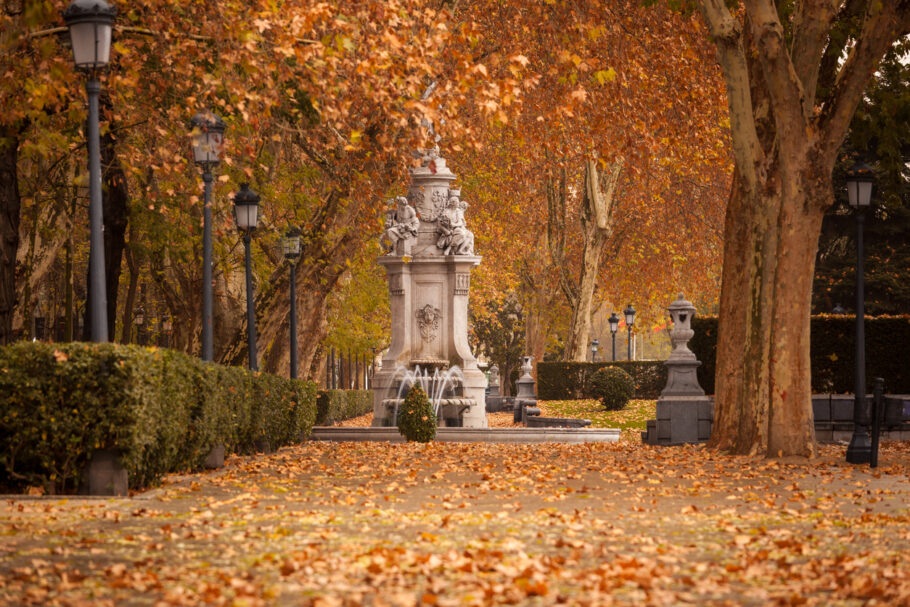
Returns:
(246, 213)
(90, 23)
(290, 245)
(594, 345)
(208, 139)
(614, 327)
(629, 313)
(859, 192)
(139, 320)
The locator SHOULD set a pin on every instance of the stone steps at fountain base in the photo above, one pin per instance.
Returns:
(472, 435)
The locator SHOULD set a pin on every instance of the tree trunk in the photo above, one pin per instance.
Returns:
(126, 321)
(10, 207)
(763, 381)
(785, 143)
(596, 224)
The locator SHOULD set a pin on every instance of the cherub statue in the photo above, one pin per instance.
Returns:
(401, 226)
(454, 236)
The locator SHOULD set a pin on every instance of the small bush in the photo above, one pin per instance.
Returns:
(416, 419)
(613, 386)
(570, 380)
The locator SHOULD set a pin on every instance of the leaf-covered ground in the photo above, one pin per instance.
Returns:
(477, 524)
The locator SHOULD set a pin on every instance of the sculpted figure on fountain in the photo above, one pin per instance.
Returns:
(454, 236)
(401, 227)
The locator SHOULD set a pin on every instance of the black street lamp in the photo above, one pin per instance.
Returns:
(246, 214)
(139, 321)
(208, 139)
(290, 246)
(629, 313)
(859, 192)
(594, 345)
(90, 23)
(614, 327)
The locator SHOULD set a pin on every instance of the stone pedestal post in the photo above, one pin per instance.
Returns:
(684, 413)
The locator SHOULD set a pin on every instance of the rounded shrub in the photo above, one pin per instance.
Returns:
(416, 418)
(613, 386)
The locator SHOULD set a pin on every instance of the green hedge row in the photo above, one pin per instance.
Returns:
(569, 380)
(832, 352)
(162, 410)
(338, 405)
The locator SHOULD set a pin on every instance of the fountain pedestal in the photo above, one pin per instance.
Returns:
(429, 276)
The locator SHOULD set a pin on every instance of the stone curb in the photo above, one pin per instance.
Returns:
(472, 435)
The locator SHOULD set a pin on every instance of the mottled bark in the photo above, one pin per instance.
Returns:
(596, 226)
(785, 147)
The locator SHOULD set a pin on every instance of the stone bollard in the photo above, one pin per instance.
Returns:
(493, 385)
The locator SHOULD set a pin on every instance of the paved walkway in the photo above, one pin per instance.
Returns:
(476, 524)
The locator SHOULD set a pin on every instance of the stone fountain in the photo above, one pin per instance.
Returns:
(429, 255)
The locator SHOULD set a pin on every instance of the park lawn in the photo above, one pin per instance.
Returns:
(631, 419)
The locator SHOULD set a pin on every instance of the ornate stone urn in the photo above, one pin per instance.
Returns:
(682, 366)
(428, 263)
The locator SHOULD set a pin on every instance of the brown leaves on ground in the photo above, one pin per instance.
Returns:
(477, 524)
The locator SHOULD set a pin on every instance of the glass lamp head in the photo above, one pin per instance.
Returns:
(246, 208)
(208, 138)
(629, 313)
(90, 23)
(859, 185)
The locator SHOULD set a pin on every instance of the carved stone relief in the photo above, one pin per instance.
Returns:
(428, 322)
(462, 283)
(395, 285)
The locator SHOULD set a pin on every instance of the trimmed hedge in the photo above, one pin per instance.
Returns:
(569, 380)
(162, 410)
(832, 352)
(338, 405)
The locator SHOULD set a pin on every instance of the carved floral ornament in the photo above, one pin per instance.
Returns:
(428, 322)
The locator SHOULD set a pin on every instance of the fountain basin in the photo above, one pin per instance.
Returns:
(449, 411)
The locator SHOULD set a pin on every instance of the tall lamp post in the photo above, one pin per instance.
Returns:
(859, 192)
(140, 324)
(614, 327)
(594, 345)
(246, 213)
(90, 23)
(208, 139)
(290, 245)
(629, 313)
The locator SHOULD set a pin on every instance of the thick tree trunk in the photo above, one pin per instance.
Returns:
(10, 207)
(785, 143)
(763, 390)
